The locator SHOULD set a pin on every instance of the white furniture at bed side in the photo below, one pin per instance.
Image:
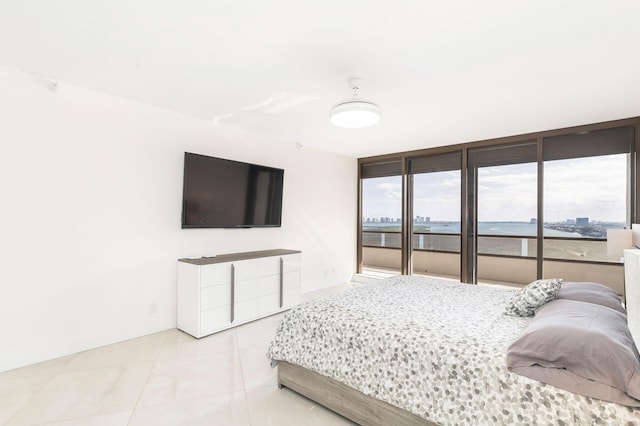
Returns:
(632, 291)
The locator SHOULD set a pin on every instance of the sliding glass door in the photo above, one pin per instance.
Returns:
(381, 218)
(504, 180)
(587, 191)
(435, 206)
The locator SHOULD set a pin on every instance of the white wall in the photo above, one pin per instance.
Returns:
(91, 189)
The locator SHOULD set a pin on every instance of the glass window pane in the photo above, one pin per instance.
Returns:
(436, 202)
(382, 223)
(583, 198)
(507, 223)
(507, 199)
(436, 223)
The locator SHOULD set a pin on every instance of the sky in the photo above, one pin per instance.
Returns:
(593, 187)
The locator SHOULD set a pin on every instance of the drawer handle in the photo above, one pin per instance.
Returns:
(281, 282)
(233, 289)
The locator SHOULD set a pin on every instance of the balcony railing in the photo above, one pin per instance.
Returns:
(518, 246)
(389, 239)
(501, 258)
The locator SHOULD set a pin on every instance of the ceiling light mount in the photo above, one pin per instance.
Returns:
(354, 83)
(53, 86)
(356, 112)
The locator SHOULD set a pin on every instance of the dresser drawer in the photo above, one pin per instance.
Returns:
(291, 298)
(245, 310)
(214, 296)
(269, 266)
(292, 262)
(268, 304)
(247, 289)
(245, 269)
(291, 280)
(214, 319)
(268, 285)
(215, 274)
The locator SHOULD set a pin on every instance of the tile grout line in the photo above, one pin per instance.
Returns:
(244, 384)
(135, 407)
(53, 376)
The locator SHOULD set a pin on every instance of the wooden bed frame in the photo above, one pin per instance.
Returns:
(342, 399)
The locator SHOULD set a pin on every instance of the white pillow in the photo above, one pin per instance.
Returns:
(526, 300)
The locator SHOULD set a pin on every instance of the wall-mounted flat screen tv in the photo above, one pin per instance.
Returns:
(219, 193)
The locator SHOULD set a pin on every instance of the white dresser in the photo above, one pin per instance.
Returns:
(216, 293)
(632, 291)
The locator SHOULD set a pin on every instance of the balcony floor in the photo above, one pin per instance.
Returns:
(376, 273)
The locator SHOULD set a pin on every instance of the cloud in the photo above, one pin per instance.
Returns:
(383, 197)
(594, 187)
(437, 195)
(507, 193)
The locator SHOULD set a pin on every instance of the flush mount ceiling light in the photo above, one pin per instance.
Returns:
(355, 112)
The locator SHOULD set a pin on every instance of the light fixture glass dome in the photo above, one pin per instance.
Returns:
(354, 114)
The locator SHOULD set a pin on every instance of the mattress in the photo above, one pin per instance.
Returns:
(434, 348)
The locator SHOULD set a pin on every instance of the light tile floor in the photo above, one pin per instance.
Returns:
(166, 378)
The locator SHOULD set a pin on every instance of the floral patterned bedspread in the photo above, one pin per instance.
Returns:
(435, 348)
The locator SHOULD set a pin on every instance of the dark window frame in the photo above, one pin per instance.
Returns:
(550, 144)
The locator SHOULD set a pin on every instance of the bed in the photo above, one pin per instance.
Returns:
(423, 351)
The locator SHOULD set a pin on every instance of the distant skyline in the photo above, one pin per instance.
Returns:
(573, 188)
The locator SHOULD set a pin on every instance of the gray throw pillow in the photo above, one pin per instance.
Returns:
(581, 347)
(595, 293)
(526, 300)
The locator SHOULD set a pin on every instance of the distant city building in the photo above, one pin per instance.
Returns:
(582, 220)
(422, 219)
(533, 221)
(570, 221)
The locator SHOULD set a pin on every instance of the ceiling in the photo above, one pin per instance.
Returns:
(443, 72)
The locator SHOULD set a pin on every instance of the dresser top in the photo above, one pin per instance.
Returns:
(230, 257)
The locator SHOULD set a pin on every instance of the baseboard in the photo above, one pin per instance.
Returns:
(23, 357)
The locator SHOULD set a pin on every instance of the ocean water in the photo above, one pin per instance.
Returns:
(484, 228)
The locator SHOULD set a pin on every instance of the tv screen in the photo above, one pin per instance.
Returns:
(219, 193)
